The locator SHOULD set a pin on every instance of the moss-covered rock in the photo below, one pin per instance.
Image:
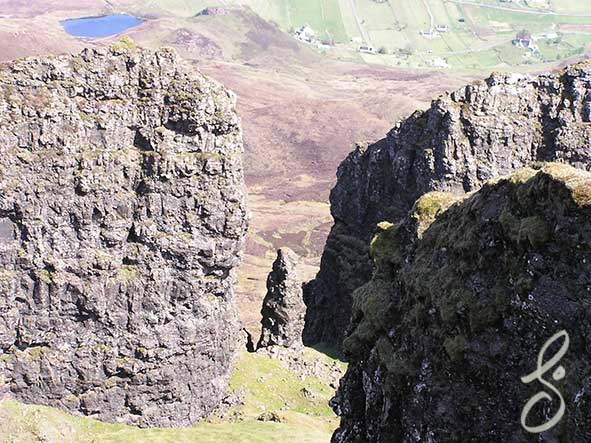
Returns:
(484, 130)
(428, 207)
(451, 325)
(124, 45)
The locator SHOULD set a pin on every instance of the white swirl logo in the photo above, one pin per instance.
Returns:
(558, 374)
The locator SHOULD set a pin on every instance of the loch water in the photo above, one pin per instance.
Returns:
(97, 27)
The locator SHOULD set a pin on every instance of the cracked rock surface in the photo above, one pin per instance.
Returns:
(485, 130)
(122, 218)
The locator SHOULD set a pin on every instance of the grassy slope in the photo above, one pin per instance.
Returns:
(324, 16)
(265, 384)
(482, 41)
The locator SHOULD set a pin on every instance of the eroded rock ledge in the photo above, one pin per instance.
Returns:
(122, 217)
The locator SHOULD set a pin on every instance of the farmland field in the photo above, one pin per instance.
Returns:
(454, 33)
(426, 33)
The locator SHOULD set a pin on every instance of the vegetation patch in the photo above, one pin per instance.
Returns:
(455, 347)
(428, 207)
(124, 45)
(268, 389)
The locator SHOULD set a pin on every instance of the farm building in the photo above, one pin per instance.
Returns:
(439, 63)
(214, 10)
(428, 34)
(523, 39)
(305, 34)
(367, 49)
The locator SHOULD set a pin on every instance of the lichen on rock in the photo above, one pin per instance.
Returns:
(122, 218)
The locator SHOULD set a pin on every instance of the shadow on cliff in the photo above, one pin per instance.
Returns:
(328, 350)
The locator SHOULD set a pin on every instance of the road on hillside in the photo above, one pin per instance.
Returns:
(362, 30)
(521, 11)
(432, 27)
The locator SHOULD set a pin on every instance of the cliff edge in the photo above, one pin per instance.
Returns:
(465, 295)
(485, 130)
(122, 218)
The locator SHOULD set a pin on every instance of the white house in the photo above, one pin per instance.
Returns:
(367, 49)
(439, 63)
(305, 34)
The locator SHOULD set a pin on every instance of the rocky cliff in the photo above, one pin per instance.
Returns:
(464, 297)
(482, 131)
(122, 217)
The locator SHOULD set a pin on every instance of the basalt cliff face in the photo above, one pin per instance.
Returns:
(122, 217)
(464, 297)
(482, 131)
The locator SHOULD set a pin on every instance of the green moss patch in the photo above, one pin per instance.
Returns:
(455, 347)
(428, 207)
(124, 45)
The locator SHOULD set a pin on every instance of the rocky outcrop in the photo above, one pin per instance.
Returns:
(464, 297)
(122, 217)
(484, 130)
(283, 307)
(214, 10)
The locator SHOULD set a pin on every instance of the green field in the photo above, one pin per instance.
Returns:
(264, 384)
(479, 32)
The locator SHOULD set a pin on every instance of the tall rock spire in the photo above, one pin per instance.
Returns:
(283, 307)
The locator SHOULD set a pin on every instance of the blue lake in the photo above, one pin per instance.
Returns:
(96, 27)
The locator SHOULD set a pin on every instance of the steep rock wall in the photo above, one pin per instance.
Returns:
(122, 217)
(484, 130)
(464, 297)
